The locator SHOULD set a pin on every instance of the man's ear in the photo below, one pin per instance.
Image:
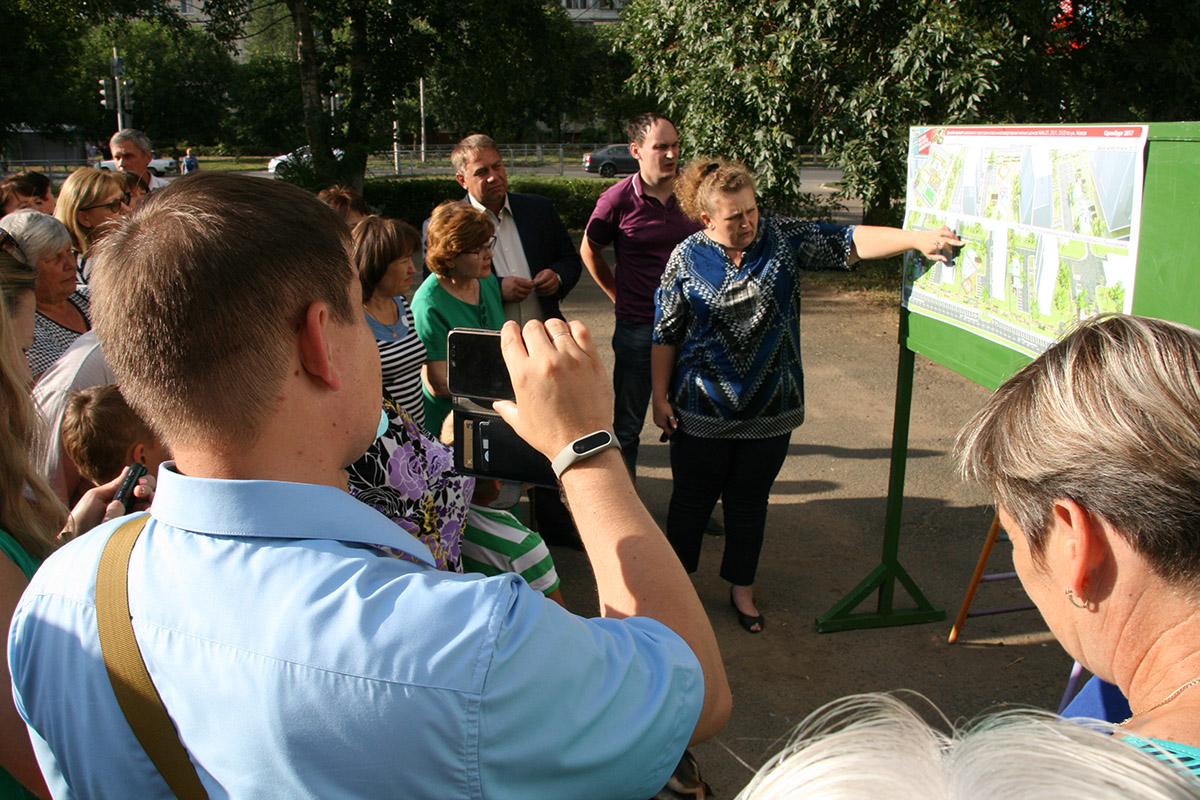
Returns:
(462, 181)
(635, 150)
(316, 349)
(136, 452)
(1082, 542)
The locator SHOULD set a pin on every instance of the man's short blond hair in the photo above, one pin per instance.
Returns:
(468, 147)
(198, 295)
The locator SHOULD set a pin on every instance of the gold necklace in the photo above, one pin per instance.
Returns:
(1164, 701)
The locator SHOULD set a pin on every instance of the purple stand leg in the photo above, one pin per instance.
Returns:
(1072, 686)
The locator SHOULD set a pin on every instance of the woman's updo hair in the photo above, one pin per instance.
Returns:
(378, 242)
(454, 228)
(703, 177)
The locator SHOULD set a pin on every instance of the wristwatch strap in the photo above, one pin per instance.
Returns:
(583, 447)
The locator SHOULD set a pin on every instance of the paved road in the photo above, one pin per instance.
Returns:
(824, 535)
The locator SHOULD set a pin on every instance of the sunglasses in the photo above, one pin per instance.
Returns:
(114, 206)
(10, 245)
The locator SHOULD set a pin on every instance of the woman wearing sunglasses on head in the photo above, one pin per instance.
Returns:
(88, 199)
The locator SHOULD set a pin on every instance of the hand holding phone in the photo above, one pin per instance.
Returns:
(124, 494)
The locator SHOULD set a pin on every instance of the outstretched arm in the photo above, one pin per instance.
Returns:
(872, 241)
(563, 393)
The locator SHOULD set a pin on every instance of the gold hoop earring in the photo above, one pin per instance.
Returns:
(1075, 601)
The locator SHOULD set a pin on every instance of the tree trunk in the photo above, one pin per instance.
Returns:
(358, 138)
(316, 123)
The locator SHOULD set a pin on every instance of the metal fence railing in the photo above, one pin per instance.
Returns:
(55, 169)
(545, 159)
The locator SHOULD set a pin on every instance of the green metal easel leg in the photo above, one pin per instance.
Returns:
(882, 579)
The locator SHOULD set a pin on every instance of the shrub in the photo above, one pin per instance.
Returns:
(413, 199)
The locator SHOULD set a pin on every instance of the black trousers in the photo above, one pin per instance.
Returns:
(741, 473)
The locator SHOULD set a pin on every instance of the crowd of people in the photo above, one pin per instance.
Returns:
(326, 606)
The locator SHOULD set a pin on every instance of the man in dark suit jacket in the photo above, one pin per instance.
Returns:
(536, 263)
(533, 257)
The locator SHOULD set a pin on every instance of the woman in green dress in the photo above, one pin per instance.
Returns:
(462, 292)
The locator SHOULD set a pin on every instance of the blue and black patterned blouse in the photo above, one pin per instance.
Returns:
(737, 327)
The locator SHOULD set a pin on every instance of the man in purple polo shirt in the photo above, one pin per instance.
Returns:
(640, 218)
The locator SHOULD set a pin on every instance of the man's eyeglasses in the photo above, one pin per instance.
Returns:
(114, 206)
(491, 245)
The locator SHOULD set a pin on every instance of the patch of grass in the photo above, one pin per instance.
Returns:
(232, 163)
(877, 282)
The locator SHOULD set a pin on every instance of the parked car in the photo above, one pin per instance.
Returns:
(609, 161)
(158, 166)
(301, 155)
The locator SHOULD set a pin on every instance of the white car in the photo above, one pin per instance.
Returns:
(300, 155)
(158, 166)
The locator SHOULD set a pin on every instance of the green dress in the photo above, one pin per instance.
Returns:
(10, 789)
(436, 312)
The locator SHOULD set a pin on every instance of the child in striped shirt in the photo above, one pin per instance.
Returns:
(494, 541)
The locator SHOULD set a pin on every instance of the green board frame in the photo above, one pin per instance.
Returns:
(1167, 286)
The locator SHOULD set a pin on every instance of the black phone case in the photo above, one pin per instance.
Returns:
(487, 446)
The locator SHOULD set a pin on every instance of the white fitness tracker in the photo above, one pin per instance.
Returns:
(581, 448)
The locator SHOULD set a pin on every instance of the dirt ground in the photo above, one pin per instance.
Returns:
(824, 535)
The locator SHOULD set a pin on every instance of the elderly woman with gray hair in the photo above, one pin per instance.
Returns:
(1092, 455)
(41, 242)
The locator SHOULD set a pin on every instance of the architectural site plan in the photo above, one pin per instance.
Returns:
(1049, 220)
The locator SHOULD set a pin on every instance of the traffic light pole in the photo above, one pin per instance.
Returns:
(118, 69)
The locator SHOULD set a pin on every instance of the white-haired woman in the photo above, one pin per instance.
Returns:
(876, 746)
(63, 309)
(1092, 455)
(727, 384)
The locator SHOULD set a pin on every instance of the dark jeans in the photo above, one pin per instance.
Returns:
(631, 385)
(741, 473)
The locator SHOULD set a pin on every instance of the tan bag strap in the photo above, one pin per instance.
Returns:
(131, 683)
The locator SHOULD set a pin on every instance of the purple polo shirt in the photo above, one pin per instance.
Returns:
(643, 232)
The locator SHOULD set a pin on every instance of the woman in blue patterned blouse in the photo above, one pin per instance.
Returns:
(728, 388)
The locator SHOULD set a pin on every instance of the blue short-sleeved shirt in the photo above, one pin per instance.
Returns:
(297, 663)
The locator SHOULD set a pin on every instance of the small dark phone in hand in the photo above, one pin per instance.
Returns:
(950, 251)
(124, 493)
(475, 366)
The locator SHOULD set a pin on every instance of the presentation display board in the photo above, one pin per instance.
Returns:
(1059, 223)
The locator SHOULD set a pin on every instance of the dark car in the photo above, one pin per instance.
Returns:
(610, 161)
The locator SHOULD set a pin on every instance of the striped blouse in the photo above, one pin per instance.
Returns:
(401, 355)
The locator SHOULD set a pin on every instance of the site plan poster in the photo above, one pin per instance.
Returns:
(1049, 220)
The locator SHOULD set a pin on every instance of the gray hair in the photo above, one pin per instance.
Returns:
(1109, 418)
(875, 745)
(472, 144)
(37, 235)
(140, 140)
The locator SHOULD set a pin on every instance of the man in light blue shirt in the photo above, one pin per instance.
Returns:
(294, 659)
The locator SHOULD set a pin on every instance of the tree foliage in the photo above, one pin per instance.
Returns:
(754, 80)
(180, 76)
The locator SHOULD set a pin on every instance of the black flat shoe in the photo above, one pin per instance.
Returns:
(746, 620)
